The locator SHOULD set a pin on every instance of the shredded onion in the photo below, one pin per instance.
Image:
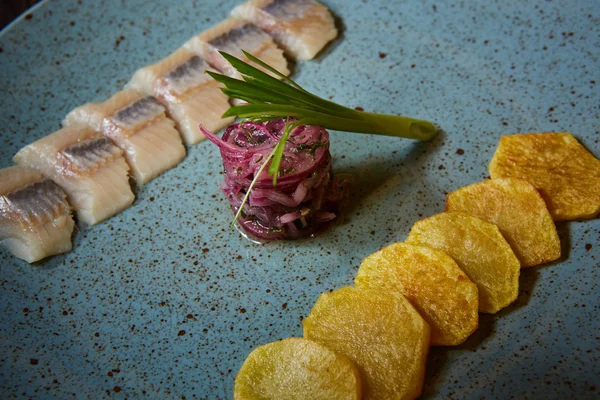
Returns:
(306, 197)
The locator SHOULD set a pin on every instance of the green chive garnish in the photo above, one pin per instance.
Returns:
(269, 98)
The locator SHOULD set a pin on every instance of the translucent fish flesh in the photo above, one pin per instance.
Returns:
(301, 27)
(191, 96)
(232, 36)
(35, 217)
(87, 166)
(139, 126)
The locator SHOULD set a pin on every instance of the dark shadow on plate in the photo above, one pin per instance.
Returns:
(292, 65)
(564, 234)
(483, 332)
(439, 355)
(367, 177)
(135, 188)
(50, 263)
(434, 371)
(527, 281)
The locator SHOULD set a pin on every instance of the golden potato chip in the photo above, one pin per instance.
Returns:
(519, 212)
(296, 369)
(565, 173)
(380, 332)
(480, 251)
(433, 283)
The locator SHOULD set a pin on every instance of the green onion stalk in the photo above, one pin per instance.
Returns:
(268, 98)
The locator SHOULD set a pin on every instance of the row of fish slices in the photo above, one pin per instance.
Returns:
(139, 130)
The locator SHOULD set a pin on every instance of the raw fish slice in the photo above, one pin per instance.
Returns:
(273, 56)
(139, 126)
(212, 103)
(191, 96)
(152, 150)
(35, 217)
(92, 114)
(232, 36)
(13, 178)
(301, 27)
(173, 77)
(87, 166)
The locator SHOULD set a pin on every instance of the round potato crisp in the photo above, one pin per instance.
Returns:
(380, 332)
(297, 369)
(519, 212)
(432, 282)
(480, 251)
(565, 173)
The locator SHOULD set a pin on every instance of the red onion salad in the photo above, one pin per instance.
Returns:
(306, 198)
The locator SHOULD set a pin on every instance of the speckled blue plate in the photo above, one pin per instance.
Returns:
(165, 301)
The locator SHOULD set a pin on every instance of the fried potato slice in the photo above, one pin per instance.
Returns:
(519, 212)
(380, 332)
(565, 173)
(480, 251)
(296, 369)
(432, 282)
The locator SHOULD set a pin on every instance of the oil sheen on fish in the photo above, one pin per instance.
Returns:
(301, 27)
(139, 126)
(87, 166)
(232, 36)
(35, 217)
(191, 96)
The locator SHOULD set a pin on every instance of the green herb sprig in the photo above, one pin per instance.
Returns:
(269, 98)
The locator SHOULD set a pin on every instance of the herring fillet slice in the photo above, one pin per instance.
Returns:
(301, 27)
(35, 217)
(87, 166)
(191, 96)
(139, 126)
(232, 36)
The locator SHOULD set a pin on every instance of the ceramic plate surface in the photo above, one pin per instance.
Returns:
(165, 301)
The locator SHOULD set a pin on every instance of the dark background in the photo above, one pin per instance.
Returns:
(11, 9)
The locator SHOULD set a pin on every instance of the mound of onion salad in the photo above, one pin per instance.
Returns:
(306, 197)
(297, 194)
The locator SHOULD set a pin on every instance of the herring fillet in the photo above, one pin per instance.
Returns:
(35, 217)
(139, 126)
(191, 96)
(301, 27)
(232, 36)
(87, 166)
